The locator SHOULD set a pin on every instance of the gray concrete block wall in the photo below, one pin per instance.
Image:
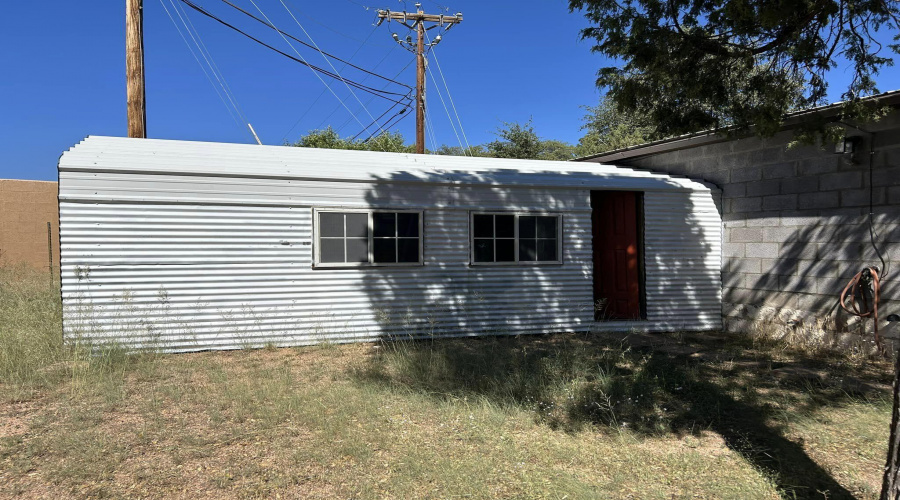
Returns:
(796, 219)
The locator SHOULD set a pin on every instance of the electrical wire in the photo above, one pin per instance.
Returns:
(329, 28)
(229, 108)
(408, 104)
(326, 59)
(313, 45)
(449, 96)
(299, 60)
(322, 93)
(390, 123)
(201, 46)
(447, 111)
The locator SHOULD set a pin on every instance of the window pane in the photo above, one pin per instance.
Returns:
(384, 250)
(484, 250)
(408, 225)
(331, 224)
(505, 225)
(483, 226)
(506, 250)
(546, 227)
(526, 226)
(384, 224)
(546, 250)
(527, 250)
(408, 250)
(357, 225)
(357, 250)
(331, 250)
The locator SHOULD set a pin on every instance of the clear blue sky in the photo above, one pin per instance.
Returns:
(63, 70)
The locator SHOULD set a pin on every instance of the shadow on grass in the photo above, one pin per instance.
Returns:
(572, 382)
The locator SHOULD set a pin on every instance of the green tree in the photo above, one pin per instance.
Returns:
(328, 138)
(608, 129)
(515, 140)
(689, 65)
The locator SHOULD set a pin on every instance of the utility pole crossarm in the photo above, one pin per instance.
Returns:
(418, 20)
(419, 16)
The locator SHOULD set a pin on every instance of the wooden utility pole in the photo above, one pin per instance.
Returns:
(134, 69)
(418, 20)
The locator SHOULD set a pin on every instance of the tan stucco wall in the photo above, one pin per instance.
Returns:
(25, 209)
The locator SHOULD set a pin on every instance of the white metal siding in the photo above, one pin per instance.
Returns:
(683, 260)
(187, 246)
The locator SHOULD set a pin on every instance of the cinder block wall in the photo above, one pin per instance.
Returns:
(796, 221)
(25, 209)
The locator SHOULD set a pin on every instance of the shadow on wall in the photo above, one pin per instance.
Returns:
(682, 259)
(448, 296)
(814, 264)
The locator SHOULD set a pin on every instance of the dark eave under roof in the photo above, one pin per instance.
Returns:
(705, 137)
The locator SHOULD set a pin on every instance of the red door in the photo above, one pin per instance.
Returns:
(617, 287)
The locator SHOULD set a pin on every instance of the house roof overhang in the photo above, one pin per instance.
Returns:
(705, 137)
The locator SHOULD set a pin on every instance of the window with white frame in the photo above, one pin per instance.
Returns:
(363, 238)
(511, 238)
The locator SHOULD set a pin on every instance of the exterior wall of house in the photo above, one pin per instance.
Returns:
(160, 250)
(25, 209)
(796, 222)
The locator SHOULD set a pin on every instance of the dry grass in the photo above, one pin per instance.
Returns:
(564, 416)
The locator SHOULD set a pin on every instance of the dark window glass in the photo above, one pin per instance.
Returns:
(484, 250)
(546, 227)
(483, 226)
(505, 226)
(527, 250)
(537, 238)
(546, 250)
(331, 225)
(331, 250)
(357, 225)
(385, 224)
(408, 250)
(526, 226)
(357, 250)
(408, 225)
(384, 250)
(506, 250)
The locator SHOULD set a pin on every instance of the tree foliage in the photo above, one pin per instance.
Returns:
(328, 138)
(608, 129)
(689, 65)
(514, 140)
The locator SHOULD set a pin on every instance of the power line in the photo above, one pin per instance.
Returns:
(328, 61)
(215, 68)
(231, 111)
(449, 96)
(300, 60)
(309, 65)
(447, 111)
(313, 45)
(341, 127)
(322, 93)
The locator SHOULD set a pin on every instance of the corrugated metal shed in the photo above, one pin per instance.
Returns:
(187, 245)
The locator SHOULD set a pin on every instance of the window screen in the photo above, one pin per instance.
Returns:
(511, 238)
(343, 237)
(362, 238)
